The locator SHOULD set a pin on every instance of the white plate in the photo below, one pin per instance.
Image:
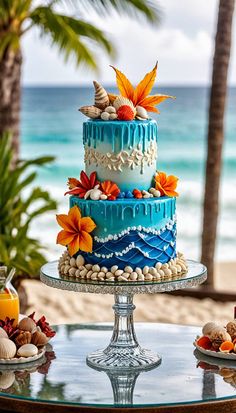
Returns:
(23, 360)
(216, 354)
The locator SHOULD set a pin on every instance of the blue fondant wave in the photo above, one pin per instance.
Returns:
(141, 249)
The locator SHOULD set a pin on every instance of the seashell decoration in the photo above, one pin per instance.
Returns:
(7, 348)
(94, 193)
(113, 116)
(121, 101)
(105, 116)
(110, 109)
(101, 96)
(141, 113)
(7, 379)
(231, 328)
(91, 111)
(27, 350)
(24, 337)
(39, 339)
(27, 324)
(3, 333)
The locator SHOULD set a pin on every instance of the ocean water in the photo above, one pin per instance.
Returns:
(52, 125)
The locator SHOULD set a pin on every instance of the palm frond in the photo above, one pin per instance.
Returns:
(132, 8)
(69, 33)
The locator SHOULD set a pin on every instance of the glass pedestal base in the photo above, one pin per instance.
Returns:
(123, 352)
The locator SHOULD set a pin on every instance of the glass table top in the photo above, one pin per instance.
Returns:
(197, 274)
(184, 375)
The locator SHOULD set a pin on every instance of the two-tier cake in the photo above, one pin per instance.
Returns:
(121, 225)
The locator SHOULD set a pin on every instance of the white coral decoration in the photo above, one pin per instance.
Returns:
(121, 101)
(94, 193)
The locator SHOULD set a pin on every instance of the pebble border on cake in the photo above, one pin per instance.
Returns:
(76, 267)
(132, 104)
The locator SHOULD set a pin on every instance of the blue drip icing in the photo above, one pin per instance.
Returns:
(120, 134)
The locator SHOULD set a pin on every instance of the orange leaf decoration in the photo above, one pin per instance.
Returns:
(226, 346)
(125, 87)
(166, 184)
(81, 187)
(145, 86)
(75, 233)
(204, 342)
(139, 95)
(112, 97)
(110, 189)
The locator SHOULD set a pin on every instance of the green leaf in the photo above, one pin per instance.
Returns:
(18, 211)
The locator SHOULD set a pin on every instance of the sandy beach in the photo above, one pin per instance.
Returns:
(69, 307)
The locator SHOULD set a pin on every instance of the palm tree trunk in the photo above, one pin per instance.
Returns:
(10, 93)
(216, 134)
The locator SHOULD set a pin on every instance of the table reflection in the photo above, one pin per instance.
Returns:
(184, 376)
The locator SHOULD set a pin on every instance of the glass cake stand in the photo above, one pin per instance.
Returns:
(124, 351)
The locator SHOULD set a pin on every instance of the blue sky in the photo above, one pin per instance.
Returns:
(183, 45)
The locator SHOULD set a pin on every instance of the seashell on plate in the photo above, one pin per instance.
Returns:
(79, 260)
(105, 116)
(24, 337)
(39, 339)
(27, 324)
(101, 96)
(209, 327)
(231, 328)
(122, 101)
(7, 348)
(91, 111)
(141, 113)
(7, 379)
(27, 350)
(3, 333)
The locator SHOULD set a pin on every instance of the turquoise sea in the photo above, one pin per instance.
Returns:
(51, 124)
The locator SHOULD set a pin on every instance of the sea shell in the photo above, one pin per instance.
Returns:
(125, 112)
(141, 113)
(105, 116)
(24, 337)
(113, 116)
(79, 260)
(27, 350)
(91, 111)
(209, 327)
(39, 339)
(121, 101)
(27, 324)
(3, 333)
(110, 109)
(218, 336)
(231, 329)
(93, 194)
(7, 348)
(7, 379)
(101, 96)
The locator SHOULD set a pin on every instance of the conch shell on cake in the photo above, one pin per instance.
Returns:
(101, 96)
(7, 348)
(91, 111)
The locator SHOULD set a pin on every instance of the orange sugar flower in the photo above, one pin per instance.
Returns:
(110, 189)
(75, 233)
(166, 184)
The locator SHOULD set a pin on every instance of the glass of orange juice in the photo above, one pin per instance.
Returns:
(9, 300)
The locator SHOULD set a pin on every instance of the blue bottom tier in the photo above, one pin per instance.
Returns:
(130, 231)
